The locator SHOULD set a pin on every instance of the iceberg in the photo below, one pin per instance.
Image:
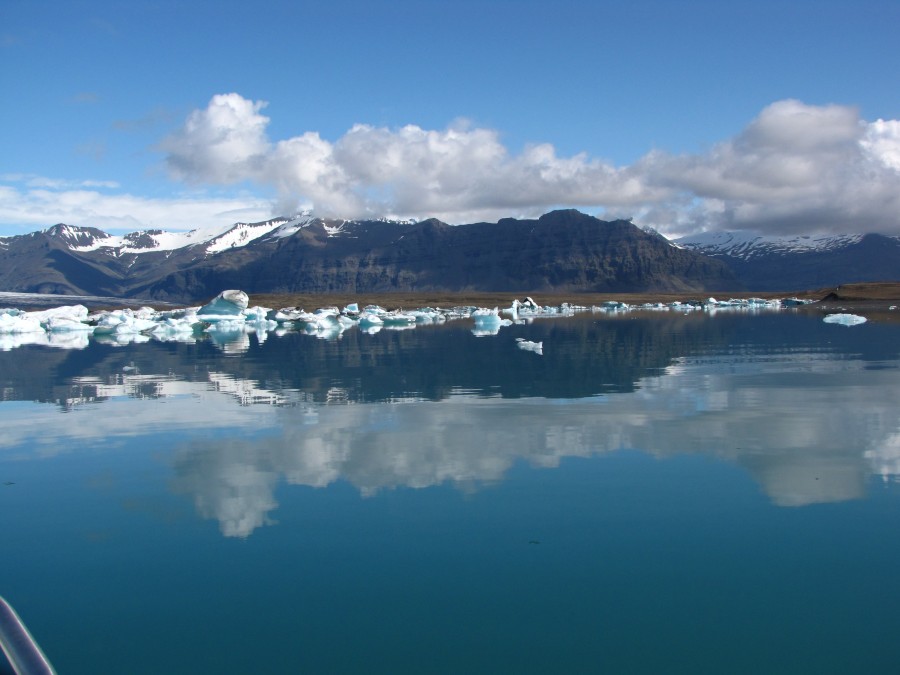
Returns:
(19, 322)
(124, 322)
(370, 318)
(845, 319)
(529, 346)
(227, 303)
(228, 319)
(485, 318)
(71, 318)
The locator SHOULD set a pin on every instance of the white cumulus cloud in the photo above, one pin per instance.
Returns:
(796, 167)
(456, 174)
(224, 143)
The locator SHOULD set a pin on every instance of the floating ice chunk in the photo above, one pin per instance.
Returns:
(287, 315)
(71, 312)
(485, 318)
(63, 324)
(123, 322)
(845, 319)
(527, 307)
(529, 346)
(14, 324)
(370, 319)
(256, 313)
(397, 318)
(226, 303)
(223, 325)
(171, 326)
(428, 315)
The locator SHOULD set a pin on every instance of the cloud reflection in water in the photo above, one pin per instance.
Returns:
(808, 427)
(777, 431)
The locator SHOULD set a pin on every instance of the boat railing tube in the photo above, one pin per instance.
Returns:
(22, 651)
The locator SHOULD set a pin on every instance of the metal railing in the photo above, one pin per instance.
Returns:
(22, 652)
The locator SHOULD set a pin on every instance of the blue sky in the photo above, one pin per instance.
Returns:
(781, 117)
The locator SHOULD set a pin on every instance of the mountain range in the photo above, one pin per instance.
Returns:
(562, 251)
(766, 263)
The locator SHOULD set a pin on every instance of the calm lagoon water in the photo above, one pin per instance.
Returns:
(655, 493)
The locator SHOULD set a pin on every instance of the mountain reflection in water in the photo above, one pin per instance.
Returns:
(810, 410)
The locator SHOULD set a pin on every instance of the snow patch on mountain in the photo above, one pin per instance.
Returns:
(746, 245)
(146, 241)
(335, 229)
(291, 227)
(242, 234)
(77, 236)
(213, 239)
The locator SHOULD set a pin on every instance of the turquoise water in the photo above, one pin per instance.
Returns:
(656, 493)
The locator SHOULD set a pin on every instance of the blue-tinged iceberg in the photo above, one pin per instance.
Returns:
(845, 319)
(226, 304)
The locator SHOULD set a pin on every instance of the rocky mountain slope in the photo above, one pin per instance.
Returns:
(801, 262)
(561, 251)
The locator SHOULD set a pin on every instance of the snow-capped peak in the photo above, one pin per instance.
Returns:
(746, 244)
(77, 236)
(242, 234)
(290, 227)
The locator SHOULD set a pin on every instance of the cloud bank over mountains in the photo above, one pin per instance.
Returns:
(795, 168)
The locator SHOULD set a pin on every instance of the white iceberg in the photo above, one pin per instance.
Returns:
(486, 318)
(226, 304)
(529, 346)
(19, 322)
(124, 322)
(845, 319)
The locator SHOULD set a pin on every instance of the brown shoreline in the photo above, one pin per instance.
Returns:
(866, 298)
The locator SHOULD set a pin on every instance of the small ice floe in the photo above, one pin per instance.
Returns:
(370, 318)
(486, 318)
(63, 319)
(123, 322)
(527, 307)
(529, 346)
(614, 306)
(742, 303)
(428, 315)
(285, 315)
(845, 319)
(398, 319)
(14, 322)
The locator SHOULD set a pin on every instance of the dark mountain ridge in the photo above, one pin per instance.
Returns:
(563, 250)
(794, 263)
